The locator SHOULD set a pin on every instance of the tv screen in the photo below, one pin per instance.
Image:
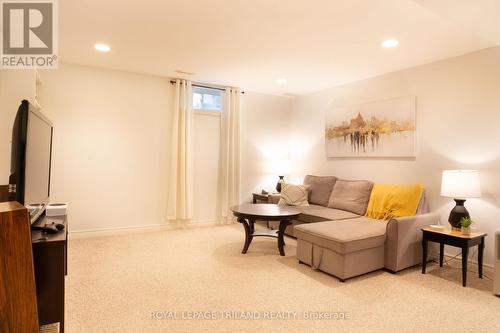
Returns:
(38, 148)
(31, 159)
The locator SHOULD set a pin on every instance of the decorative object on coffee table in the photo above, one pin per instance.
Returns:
(453, 237)
(248, 213)
(460, 185)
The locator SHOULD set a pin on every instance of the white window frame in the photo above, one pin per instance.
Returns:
(206, 112)
(209, 112)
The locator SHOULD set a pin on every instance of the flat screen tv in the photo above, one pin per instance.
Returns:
(31, 159)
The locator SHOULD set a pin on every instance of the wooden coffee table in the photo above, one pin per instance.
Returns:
(248, 213)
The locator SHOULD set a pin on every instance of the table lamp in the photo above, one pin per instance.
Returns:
(281, 168)
(460, 185)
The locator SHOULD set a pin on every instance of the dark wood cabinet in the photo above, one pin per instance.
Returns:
(4, 193)
(31, 273)
(50, 262)
(18, 312)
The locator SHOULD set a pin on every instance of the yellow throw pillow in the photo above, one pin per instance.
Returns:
(388, 201)
(294, 195)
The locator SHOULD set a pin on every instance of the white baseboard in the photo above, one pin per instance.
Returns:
(170, 225)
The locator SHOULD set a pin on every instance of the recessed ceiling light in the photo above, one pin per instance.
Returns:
(281, 80)
(389, 43)
(102, 47)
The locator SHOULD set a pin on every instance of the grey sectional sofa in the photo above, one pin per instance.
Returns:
(334, 236)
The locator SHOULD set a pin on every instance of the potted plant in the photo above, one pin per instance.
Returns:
(465, 223)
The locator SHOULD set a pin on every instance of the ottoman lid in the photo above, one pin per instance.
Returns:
(344, 236)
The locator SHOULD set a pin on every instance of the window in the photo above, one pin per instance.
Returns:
(206, 99)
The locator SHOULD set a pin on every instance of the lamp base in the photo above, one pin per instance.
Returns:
(278, 186)
(457, 213)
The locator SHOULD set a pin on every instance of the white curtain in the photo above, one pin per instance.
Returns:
(229, 163)
(180, 182)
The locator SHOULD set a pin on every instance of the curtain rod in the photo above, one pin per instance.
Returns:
(204, 86)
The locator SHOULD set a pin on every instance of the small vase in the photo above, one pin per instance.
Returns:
(280, 181)
(466, 231)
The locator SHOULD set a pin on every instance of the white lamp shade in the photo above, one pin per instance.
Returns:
(281, 167)
(460, 184)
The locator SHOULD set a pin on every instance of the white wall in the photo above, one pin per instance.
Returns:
(109, 149)
(458, 118)
(15, 85)
(111, 145)
(265, 122)
(264, 133)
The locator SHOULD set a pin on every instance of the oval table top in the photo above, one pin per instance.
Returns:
(265, 211)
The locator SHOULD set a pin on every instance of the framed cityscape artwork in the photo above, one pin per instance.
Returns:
(384, 128)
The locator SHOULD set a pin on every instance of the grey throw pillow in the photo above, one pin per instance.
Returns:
(320, 188)
(351, 195)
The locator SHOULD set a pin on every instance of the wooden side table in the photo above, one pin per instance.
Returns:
(260, 198)
(449, 236)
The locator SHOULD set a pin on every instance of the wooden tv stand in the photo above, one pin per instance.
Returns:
(51, 265)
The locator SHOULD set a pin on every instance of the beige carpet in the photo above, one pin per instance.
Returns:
(116, 283)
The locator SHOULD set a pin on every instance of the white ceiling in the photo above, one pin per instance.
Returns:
(315, 44)
(480, 16)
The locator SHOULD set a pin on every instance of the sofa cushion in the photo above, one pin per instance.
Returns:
(316, 213)
(351, 195)
(320, 189)
(344, 236)
(294, 195)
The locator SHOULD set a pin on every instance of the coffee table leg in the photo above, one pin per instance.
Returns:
(248, 234)
(281, 234)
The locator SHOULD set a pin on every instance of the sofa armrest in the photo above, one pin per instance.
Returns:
(403, 247)
(273, 198)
